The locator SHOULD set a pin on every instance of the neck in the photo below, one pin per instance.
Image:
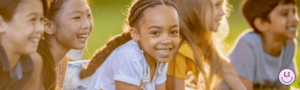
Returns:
(272, 44)
(57, 50)
(150, 60)
(11, 56)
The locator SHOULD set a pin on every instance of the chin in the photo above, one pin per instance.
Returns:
(292, 36)
(79, 46)
(163, 60)
(215, 30)
(29, 51)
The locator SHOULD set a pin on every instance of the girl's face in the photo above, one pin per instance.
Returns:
(219, 13)
(22, 33)
(284, 21)
(74, 24)
(159, 33)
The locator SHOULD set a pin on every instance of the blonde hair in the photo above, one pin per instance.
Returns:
(195, 29)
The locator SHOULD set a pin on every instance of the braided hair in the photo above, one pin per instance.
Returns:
(134, 14)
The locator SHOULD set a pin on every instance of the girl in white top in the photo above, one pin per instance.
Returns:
(151, 39)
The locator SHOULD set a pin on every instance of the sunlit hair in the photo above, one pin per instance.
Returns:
(196, 30)
(134, 14)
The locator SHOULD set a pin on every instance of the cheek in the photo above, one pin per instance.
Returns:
(91, 24)
(279, 22)
(175, 41)
(21, 32)
(147, 43)
(66, 33)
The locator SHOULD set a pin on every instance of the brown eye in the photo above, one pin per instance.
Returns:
(174, 32)
(89, 15)
(76, 18)
(155, 33)
(32, 19)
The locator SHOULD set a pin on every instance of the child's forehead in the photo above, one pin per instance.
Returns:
(285, 6)
(159, 14)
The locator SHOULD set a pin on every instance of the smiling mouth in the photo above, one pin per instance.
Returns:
(82, 37)
(164, 52)
(285, 81)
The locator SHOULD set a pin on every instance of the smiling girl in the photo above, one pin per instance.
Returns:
(21, 27)
(153, 26)
(68, 25)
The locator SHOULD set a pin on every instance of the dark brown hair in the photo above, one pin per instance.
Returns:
(8, 7)
(135, 13)
(252, 9)
(50, 81)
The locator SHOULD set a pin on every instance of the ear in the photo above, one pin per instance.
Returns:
(134, 34)
(49, 26)
(261, 25)
(3, 25)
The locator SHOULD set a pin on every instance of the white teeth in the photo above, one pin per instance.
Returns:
(35, 40)
(164, 51)
(292, 28)
(83, 36)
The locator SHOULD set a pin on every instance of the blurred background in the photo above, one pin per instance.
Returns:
(109, 16)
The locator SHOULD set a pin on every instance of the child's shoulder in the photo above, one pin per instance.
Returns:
(129, 47)
(129, 50)
(249, 36)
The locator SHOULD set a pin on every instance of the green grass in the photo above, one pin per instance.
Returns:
(108, 20)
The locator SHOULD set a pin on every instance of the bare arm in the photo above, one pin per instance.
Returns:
(248, 84)
(34, 82)
(160, 87)
(125, 86)
(231, 78)
(175, 83)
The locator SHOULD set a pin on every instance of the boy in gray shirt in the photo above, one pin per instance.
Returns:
(262, 52)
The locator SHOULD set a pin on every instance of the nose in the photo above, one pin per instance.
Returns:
(221, 11)
(39, 27)
(166, 40)
(85, 24)
(294, 19)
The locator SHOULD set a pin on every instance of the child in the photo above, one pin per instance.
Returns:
(68, 25)
(198, 51)
(21, 27)
(260, 53)
(140, 63)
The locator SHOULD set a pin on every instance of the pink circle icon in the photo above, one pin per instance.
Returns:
(287, 76)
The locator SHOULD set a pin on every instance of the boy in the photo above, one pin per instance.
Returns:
(262, 52)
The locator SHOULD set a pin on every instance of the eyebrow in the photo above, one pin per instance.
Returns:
(88, 10)
(159, 27)
(174, 26)
(286, 9)
(155, 26)
(76, 12)
(32, 14)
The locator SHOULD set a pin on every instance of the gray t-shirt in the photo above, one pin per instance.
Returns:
(252, 63)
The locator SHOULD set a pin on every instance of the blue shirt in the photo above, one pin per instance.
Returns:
(14, 79)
